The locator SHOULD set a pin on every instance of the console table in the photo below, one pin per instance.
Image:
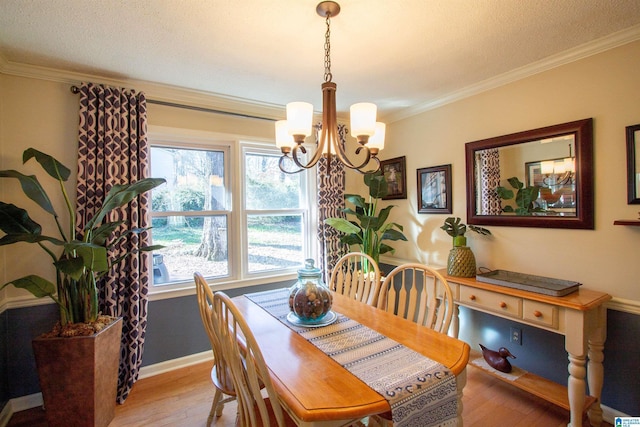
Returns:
(579, 316)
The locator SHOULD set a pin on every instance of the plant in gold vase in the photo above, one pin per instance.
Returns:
(461, 261)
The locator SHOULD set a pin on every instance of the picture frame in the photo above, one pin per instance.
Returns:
(633, 164)
(395, 173)
(434, 190)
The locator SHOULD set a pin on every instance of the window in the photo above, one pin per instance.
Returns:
(229, 220)
(275, 213)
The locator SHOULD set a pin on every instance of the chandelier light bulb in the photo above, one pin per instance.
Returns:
(376, 141)
(363, 119)
(299, 119)
(284, 140)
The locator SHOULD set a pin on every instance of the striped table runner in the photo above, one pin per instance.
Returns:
(420, 391)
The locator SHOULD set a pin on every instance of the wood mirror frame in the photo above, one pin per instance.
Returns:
(582, 131)
(633, 159)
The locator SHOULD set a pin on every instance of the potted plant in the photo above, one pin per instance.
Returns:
(370, 228)
(525, 197)
(461, 261)
(79, 258)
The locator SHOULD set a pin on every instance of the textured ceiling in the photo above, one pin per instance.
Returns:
(399, 54)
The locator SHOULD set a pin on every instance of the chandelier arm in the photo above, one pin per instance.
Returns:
(283, 158)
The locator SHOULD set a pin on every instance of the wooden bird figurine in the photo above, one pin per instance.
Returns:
(497, 359)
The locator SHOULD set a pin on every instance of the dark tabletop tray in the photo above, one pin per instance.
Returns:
(529, 282)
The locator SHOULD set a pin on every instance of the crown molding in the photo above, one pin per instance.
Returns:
(159, 92)
(611, 41)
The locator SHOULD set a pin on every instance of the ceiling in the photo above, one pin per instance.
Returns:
(404, 55)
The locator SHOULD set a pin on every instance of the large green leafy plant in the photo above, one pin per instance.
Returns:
(369, 229)
(79, 258)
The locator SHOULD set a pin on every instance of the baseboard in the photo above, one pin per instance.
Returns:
(609, 414)
(170, 365)
(5, 415)
(18, 404)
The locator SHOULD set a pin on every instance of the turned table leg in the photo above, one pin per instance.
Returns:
(595, 370)
(577, 388)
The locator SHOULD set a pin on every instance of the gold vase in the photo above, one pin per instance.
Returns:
(461, 262)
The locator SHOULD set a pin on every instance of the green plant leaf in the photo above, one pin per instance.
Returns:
(53, 167)
(100, 235)
(480, 230)
(355, 199)
(73, 267)
(342, 225)
(378, 187)
(351, 239)
(393, 235)
(38, 286)
(504, 193)
(120, 195)
(515, 182)
(384, 248)
(15, 220)
(94, 257)
(32, 189)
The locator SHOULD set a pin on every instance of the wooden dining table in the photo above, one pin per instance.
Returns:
(317, 391)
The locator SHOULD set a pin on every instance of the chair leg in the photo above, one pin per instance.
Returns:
(216, 407)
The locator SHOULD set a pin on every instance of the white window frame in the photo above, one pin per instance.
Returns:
(236, 147)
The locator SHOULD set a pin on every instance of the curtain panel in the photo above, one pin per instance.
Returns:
(113, 149)
(489, 179)
(330, 195)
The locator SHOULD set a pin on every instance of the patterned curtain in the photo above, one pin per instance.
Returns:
(330, 202)
(489, 179)
(113, 149)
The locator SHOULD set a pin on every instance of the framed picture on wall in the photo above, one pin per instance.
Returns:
(395, 172)
(434, 190)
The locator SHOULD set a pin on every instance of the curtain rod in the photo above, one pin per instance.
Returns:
(76, 90)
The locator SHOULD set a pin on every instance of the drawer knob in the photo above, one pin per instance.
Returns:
(503, 304)
(472, 297)
(537, 313)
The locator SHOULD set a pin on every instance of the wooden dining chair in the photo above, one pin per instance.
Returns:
(249, 370)
(418, 293)
(220, 373)
(347, 278)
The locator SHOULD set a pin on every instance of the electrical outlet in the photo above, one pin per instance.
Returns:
(516, 336)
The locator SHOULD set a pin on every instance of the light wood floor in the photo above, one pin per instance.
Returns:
(183, 398)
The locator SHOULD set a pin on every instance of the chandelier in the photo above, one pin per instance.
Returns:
(291, 133)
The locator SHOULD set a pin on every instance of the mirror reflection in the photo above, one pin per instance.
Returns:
(536, 178)
(545, 169)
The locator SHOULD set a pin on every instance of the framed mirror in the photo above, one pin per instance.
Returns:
(633, 164)
(536, 178)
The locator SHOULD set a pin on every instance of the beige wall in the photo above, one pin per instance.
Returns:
(606, 87)
(44, 115)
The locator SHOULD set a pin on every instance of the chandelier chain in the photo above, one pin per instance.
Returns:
(327, 51)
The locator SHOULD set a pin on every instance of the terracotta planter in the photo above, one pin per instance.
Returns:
(79, 377)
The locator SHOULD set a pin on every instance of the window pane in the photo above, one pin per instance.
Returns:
(195, 180)
(194, 243)
(267, 187)
(275, 242)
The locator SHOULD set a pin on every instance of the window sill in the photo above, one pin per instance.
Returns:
(157, 293)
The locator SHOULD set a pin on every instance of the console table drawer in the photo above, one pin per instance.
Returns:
(503, 304)
(539, 312)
